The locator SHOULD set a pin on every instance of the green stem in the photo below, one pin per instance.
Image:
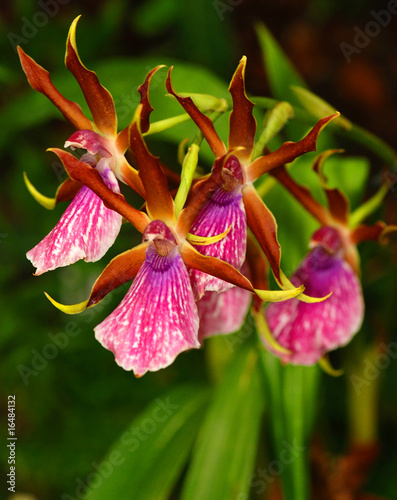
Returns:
(367, 208)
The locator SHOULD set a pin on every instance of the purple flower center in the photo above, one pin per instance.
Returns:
(161, 237)
(231, 173)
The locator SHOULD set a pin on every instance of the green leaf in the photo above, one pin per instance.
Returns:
(225, 452)
(279, 70)
(149, 456)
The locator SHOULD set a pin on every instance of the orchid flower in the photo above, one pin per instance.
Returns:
(87, 228)
(158, 318)
(307, 332)
(236, 203)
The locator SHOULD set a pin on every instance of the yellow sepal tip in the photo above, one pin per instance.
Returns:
(195, 239)
(266, 334)
(71, 309)
(279, 295)
(44, 201)
(326, 366)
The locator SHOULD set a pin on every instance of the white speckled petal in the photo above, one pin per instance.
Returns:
(222, 313)
(224, 210)
(311, 330)
(86, 230)
(156, 320)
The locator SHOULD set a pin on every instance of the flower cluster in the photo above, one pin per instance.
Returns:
(193, 274)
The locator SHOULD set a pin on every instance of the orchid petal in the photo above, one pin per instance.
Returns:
(156, 320)
(40, 80)
(288, 151)
(242, 122)
(202, 121)
(338, 204)
(91, 141)
(121, 269)
(68, 309)
(311, 330)
(222, 313)
(98, 98)
(159, 201)
(82, 172)
(258, 267)
(223, 211)
(86, 230)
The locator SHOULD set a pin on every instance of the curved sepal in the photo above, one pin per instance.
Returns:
(377, 232)
(127, 174)
(286, 283)
(65, 192)
(121, 269)
(68, 309)
(266, 335)
(159, 202)
(242, 121)
(40, 80)
(98, 98)
(303, 195)
(147, 108)
(195, 239)
(325, 364)
(264, 227)
(288, 151)
(200, 119)
(82, 172)
(222, 270)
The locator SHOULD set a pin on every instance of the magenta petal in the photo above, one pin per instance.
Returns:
(225, 209)
(91, 141)
(222, 313)
(156, 320)
(86, 230)
(311, 330)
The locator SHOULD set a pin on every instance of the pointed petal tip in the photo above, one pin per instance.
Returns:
(68, 309)
(45, 201)
(325, 364)
(279, 295)
(266, 334)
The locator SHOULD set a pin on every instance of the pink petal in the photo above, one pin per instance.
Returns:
(311, 330)
(86, 230)
(156, 320)
(91, 141)
(223, 210)
(222, 313)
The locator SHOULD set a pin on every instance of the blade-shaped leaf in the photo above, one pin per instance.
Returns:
(224, 456)
(150, 454)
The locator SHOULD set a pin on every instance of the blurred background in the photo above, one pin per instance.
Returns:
(73, 401)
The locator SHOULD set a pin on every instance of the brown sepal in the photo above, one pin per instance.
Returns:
(121, 269)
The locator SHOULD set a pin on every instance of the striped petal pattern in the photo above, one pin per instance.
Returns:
(156, 320)
(311, 330)
(223, 211)
(86, 230)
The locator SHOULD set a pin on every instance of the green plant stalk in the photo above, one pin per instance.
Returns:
(368, 207)
(167, 123)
